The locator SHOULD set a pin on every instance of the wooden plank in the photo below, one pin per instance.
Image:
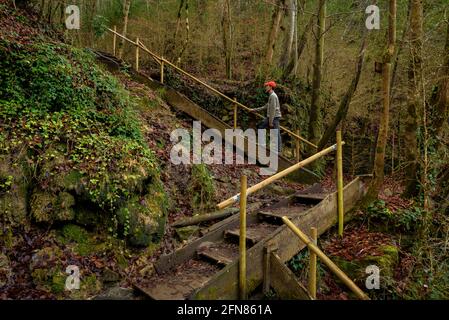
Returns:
(220, 253)
(323, 216)
(284, 282)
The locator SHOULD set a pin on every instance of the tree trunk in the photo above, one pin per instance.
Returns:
(226, 24)
(293, 64)
(414, 98)
(441, 101)
(382, 136)
(277, 16)
(290, 37)
(344, 104)
(315, 121)
(186, 41)
(126, 8)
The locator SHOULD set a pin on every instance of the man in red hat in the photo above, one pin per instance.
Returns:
(273, 108)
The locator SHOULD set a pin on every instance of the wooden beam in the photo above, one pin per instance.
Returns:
(284, 282)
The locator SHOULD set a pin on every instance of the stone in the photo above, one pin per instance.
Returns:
(185, 233)
(109, 275)
(388, 192)
(116, 293)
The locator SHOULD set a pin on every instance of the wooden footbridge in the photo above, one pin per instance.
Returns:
(218, 264)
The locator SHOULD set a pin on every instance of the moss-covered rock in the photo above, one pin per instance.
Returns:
(46, 269)
(49, 207)
(143, 218)
(356, 269)
(185, 233)
(13, 189)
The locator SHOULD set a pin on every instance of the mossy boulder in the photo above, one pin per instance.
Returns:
(185, 233)
(81, 241)
(143, 219)
(356, 269)
(49, 207)
(46, 268)
(13, 189)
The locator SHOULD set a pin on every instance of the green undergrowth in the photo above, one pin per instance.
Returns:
(71, 145)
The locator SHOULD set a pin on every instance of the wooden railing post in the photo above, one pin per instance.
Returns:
(137, 54)
(312, 264)
(242, 243)
(340, 184)
(328, 262)
(162, 69)
(298, 147)
(114, 42)
(235, 113)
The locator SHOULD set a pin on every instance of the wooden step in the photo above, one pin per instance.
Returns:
(179, 283)
(291, 211)
(254, 233)
(221, 253)
(309, 198)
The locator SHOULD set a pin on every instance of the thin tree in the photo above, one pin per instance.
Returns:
(126, 9)
(290, 37)
(272, 36)
(315, 121)
(382, 136)
(441, 98)
(226, 24)
(414, 98)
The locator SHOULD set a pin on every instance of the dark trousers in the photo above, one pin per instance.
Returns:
(276, 125)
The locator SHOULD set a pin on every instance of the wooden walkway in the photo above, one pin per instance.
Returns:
(207, 268)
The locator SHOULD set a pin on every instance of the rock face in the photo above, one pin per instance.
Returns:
(144, 217)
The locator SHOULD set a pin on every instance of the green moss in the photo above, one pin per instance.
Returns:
(143, 218)
(74, 233)
(50, 207)
(185, 233)
(58, 282)
(13, 187)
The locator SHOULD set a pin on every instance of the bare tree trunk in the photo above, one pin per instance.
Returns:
(441, 101)
(344, 104)
(171, 47)
(379, 157)
(186, 41)
(293, 64)
(126, 8)
(315, 121)
(226, 24)
(277, 16)
(415, 98)
(290, 37)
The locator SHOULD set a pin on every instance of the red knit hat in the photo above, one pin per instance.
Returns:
(271, 84)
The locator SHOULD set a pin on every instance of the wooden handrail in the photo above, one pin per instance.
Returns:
(162, 59)
(277, 176)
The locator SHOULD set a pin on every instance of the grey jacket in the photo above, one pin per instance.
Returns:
(273, 108)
